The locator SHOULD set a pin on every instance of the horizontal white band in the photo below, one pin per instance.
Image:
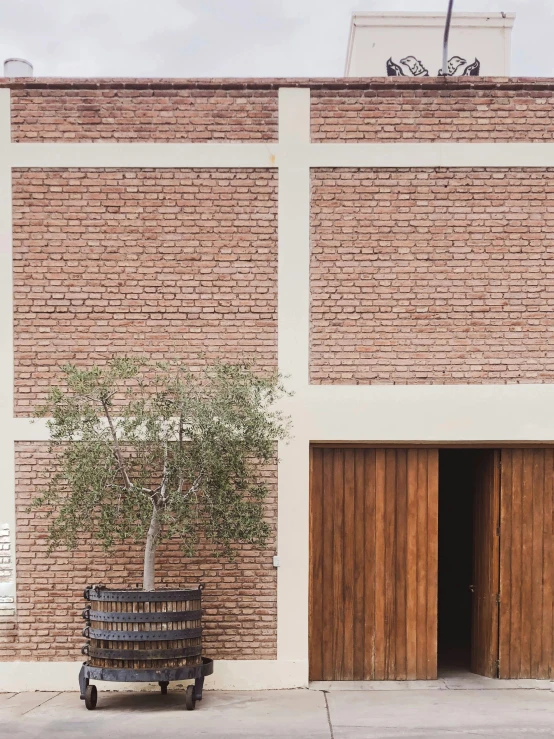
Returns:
(171, 155)
(432, 155)
(161, 155)
(228, 675)
(410, 413)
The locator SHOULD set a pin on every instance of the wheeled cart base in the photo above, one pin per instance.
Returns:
(163, 677)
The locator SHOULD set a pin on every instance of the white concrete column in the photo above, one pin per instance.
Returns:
(293, 350)
(7, 461)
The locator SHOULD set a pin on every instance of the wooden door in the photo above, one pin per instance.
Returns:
(526, 564)
(373, 564)
(486, 563)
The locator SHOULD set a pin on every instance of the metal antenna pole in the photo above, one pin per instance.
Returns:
(444, 70)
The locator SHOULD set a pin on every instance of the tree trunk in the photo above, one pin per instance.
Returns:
(149, 572)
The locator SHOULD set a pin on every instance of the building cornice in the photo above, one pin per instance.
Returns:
(545, 84)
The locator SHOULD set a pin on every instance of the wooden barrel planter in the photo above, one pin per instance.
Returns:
(143, 636)
(134, 629)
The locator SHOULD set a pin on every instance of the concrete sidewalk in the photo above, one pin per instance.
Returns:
(310, 714)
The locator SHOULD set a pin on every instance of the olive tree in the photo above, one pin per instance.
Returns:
(147, 451)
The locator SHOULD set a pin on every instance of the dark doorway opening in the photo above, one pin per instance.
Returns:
(457, 490)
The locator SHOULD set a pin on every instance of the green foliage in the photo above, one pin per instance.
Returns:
(134, 437)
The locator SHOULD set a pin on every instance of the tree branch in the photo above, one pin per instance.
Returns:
(163, 486)
(181, 476)
(193, 488)
(117, 450)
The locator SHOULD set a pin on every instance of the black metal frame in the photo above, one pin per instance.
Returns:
(101, 593)
(120, 618)
(160, 654)
(136, 636)
(163, 675)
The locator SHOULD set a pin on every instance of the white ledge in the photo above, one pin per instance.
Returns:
(162, 155)
(432, 155)
(267, 155)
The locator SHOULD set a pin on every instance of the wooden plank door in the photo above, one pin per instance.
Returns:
(373, 564)
(526, 564)
(486, 563)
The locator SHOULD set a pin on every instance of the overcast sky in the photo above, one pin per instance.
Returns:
(226, 38)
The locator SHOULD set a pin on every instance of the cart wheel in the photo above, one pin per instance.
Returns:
(163, 687)
(91, 697)
(190, 698)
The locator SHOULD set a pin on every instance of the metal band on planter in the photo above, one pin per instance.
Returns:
(100, 593)
(144, 617)
(157, 654)
(141, 636)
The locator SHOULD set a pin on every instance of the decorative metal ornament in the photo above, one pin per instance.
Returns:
(410, 66)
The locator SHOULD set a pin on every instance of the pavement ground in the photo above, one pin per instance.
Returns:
(438, 710)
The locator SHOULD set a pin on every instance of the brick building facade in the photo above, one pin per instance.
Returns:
(391, 237)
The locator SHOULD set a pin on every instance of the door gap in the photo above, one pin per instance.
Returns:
(456, 503)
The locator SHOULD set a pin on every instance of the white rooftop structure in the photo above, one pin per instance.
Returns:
(410, 44)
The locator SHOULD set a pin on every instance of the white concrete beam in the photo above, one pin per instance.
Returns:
(431, 155)
(294, 356)
(144, 155)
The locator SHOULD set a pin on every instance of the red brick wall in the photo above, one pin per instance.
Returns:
(418, 276)
(246, 110)
(164, 263)
(178, 115)
(239, 600)
(424, 276)
(433, 114)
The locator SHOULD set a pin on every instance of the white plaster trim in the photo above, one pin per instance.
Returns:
(228, 675)
(400, 413)
(294, 236)
(432, 155)
(293, 352)
(30, 429)
(7, 462)
(419, 413)
(144, 155)
(269, 155)
(410, 413)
